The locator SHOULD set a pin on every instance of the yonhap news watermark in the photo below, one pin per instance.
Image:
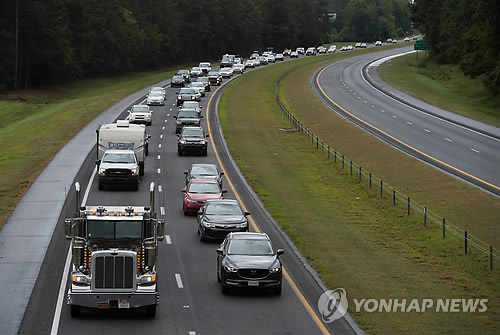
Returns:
(333, 304)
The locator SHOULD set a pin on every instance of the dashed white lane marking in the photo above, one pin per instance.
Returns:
(168, 239)
(409, 123)
(427, 130)
(394, 116)
(446, 138)
(161, 136)
(383, 111)
(163, 128)
(159, 146)
(168, 114)
(373, 106)
(192, 332)
(159, 157)
(178, 280)
(159, 171)
(159, 188)
(476, 151)
(365, 101)
(162, 211)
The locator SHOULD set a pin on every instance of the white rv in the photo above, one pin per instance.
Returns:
(123, 135)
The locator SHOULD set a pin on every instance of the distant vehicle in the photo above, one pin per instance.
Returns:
(279, 57)
(187, 94)
(140, 114)
(394, 41)
(217, 218)
(187, 117)
(192, 104)
(294, 54)
(226, 62)
(248, 260)
(249, 63)
(350, 47)
(155, 98)
(287, 52)
(226, 72)
(205, 67)
(118, 167)
(186, 74)
(332, 49)
(204, 171)
(344, 48)
(300, 50)
(363, 45)
(270, 58)
(205, 81)
(214, 78)
(263, 60)
(255, 55)
(196, 71)
(407, 39)
(311, 51)
(177, 81)
(389, 40)
(238, 68)
(198, 85)
(157, 89)
(357, 45)
(321, 50)
(378, 43)
(197, 192)
(192, 139)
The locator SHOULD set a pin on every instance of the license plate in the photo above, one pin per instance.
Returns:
(103, 305)
(253, 283)
(123, 304)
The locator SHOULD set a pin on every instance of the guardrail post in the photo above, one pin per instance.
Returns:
(465, 242)
(312, 138)
(317, 143)
(444, 227)
(409, 206)
(335, 157)
(491, 258)
(322, 146)
(394, 197)
(351, 167)
(342, 162)
(370, 180)
(425, 216)
(381, 188)
(328, 151)
(360, 174)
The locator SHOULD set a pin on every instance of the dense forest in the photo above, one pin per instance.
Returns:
(463, 32)
(48, 41)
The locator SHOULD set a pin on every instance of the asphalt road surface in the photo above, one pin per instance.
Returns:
(459, 149)
(191, 301)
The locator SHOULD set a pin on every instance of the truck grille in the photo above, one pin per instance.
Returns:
(118, 172)
(114, 272)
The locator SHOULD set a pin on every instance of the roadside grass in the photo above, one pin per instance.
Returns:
(36, 123)
(351, 237)
(443, 86)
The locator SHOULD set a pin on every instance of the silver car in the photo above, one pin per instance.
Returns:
(140, 114)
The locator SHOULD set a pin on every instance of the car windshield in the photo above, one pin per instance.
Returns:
(177, 78)
(192, 132)
(183, 72)
(223, 209)
(204, 188)
(204, 65)
(126, 158)
(187, 115)
(198, 84)
(250, 247)
(203, 80)
(140, 109)
(207, 170)
(155, 94)
(112, 230)
(195, 68)
(187, 91)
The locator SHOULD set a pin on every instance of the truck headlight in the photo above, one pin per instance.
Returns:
(203, 142)
(147, 279)
(134, 171)
(102, 171)
(80, 279)
(182, 142)
(178, 122)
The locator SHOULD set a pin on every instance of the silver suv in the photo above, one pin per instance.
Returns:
(140, 114)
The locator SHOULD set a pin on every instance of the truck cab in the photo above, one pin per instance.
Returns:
(118, 167)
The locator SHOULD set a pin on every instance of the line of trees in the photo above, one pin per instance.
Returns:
(463, 32)
(50, 41)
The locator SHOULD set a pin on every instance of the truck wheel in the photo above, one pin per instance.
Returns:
(151, 311)
(146, 148)
(75, 310)
(141, 170)
(100, 187)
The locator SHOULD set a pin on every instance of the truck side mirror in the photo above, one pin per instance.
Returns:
(67, 229)
(161, 229)
(98, 162)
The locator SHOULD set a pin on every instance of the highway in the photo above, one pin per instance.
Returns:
(191, 301)
(459, 149)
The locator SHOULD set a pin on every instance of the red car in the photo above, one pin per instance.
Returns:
(287, 52)
(198, 191)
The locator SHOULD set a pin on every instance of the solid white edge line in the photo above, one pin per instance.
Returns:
(168, 239)
(178, 280)
(477, 151)
(449, 140)
(427, 130)
(60, 296)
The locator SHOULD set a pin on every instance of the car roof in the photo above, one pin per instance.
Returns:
(248, 236)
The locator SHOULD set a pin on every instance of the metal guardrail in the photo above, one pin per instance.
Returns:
(387, 191)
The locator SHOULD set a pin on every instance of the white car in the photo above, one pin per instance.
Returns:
(196, 71)
(363, 45)
(198, 85)
(294, 54)
(311, 51)
(407, 39)
(378, 43)
(226, 72)
(321, 50)
(157, 89)
(349, 47)
(140, 114)
(249, 63)
(238, 68)
(155, 98)
(279, 57)
(344, 48)
(300, 50)
(205, 67)
(332, 49)
(270, 59)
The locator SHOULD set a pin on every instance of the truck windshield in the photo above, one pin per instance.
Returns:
(114, 230)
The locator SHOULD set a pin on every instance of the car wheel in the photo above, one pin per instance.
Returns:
(184, 210)
(100, 186)
(218, 276)
(202, 237)
(204, 152)
(179, 152)
(75, 310)
(141, 169)
(277, 290)
(146, 149)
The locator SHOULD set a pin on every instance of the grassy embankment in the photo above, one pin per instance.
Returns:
(351, 237)
(36, 123)
(444, 86)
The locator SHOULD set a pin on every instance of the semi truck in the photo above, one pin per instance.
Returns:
(114, 256)
(123, 135)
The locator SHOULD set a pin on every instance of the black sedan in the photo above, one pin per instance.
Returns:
(248, 260)
(187, 117)
(217, 218)
(177, 81)
(204, 171)
(192, 139)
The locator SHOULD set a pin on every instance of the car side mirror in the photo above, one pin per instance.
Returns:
(201, 116)
(186, 173)
(175, 116)
(200, 211)
(219, 251)
(280, 252)
(98, 162)
(207, 135)
(184, 190)
(224, 191)
(176, 92)
(222, 173)
(247, 213)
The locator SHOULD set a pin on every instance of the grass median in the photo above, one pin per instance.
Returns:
(444, 86)
(352, 238)
(36, 123)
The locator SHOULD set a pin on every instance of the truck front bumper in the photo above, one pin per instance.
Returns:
(108, 300)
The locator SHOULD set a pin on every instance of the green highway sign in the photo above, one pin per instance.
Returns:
(420, 45)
